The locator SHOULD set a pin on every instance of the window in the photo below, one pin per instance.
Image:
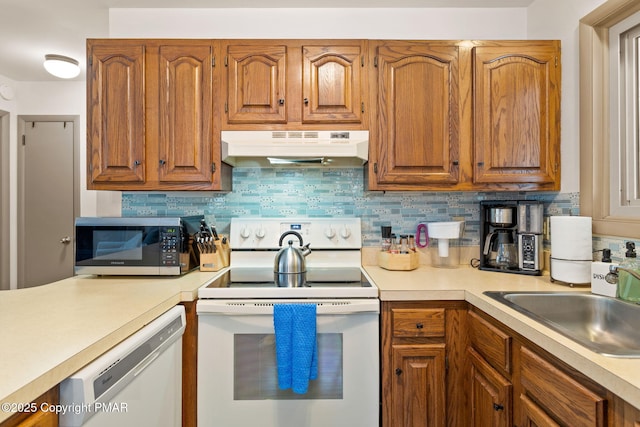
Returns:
(624, 168)
(604, 161)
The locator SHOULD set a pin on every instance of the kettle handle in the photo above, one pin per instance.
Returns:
(419, 230)
(286, 233)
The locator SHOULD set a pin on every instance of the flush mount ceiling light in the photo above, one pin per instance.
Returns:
(61, 66)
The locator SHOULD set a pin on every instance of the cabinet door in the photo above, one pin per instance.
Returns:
(517, 114)
(116, 114)
(418, 389)
(332, 84)
(490, 394)
(558, 394)
(256, 81)
(185, 112)
(533, 415)
(418, 109)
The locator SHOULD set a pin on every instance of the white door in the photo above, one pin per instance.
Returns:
(47, 200)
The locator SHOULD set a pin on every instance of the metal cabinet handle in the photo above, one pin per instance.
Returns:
(163, 162)
(498, 407)
(65, 240)
(281, 101)
(136, 163)
(306, 101)
(398, 371)
(419, 325)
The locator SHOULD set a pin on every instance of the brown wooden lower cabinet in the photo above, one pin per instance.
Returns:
(490, 394)
(423, 347)
(418, 386)
(447, 363)
(39, 418)
(190, 366)
(543, 390)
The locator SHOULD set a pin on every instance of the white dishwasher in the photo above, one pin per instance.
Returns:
(136, 383)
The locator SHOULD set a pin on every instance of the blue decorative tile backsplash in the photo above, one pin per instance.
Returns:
(329, 192)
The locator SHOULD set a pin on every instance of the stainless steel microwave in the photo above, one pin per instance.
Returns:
(150, 246)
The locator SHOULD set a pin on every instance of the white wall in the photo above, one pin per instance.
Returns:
(435, 23)
(554, 19)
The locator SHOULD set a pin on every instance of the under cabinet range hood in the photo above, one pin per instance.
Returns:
(295, 148)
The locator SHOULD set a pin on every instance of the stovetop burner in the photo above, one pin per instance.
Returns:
(333, 268)
(327, 277)
(323, 283)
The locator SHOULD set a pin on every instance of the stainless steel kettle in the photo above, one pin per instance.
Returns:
(289, 267)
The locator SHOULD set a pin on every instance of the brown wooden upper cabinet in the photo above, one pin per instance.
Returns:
(416, 135)
(287, 83)
(465, 115)
(116, 114)
(151, 116)
(517, 114)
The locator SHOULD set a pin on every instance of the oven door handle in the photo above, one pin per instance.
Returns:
(265, 307)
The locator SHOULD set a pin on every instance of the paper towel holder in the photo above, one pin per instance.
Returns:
(568, 264)
(571, 250)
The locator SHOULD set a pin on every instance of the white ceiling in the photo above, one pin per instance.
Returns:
(29, 29)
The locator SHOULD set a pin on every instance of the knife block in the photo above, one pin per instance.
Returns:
(217, 260)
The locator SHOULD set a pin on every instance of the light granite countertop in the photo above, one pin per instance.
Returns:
(51, 331)
(620, 375)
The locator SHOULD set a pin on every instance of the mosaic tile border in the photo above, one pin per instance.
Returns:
(327, 192)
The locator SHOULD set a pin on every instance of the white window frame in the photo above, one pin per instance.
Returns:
(595, 120)
(624, 38)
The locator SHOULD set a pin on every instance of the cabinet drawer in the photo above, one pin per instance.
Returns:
(491, 342)
(418, 323)
(559, 395)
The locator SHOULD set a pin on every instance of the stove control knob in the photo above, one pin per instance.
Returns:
(345, 232)
(330, 232)
(260, 232)
(245, 232)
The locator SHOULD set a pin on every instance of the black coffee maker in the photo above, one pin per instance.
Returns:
(499, 238)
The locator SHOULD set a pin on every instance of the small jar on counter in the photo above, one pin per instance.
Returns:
(404, 244)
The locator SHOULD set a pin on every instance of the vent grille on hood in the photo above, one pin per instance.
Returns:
(301, 148)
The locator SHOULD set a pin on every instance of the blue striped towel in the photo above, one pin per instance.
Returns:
(296, 345)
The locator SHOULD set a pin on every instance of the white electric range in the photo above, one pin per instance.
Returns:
(237, 374)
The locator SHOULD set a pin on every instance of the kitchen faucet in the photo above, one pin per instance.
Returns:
(612, 276)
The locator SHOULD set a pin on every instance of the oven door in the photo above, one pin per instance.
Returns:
(237, 374)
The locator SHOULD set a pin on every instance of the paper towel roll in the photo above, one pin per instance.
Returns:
(572, 272)
(571, 238)
(571, 249)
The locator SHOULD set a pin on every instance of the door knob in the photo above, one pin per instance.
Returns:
(65, 240)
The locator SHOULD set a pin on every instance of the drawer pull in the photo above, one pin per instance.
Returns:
(419, 325)
(498, 407)
(398, 371)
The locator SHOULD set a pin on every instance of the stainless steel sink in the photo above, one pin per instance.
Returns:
(605, 325)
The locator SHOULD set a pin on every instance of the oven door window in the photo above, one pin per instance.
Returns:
(255, 375)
